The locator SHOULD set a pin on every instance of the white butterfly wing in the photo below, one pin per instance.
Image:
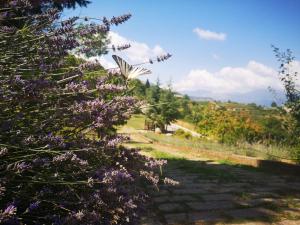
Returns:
(137, 71)
(125, 68)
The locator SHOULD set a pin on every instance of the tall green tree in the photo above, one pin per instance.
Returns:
(147, 84)
(163, 106)
(289, 77)
(168, 108)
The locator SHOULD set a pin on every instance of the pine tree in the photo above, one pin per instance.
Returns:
(147, 84)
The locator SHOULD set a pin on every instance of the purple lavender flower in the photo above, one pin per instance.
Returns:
(8, 213)
(2, 190)
(90, 66)
(120, 19)
(130, 204)
(50, 110)
(155, 163)
(21, 167)
(79, 215)
(33, 206)
(3, 151)
(71, 157)
(170, 181)
(110, 88)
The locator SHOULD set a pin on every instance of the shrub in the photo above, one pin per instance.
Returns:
(52, 171)
(183, 134)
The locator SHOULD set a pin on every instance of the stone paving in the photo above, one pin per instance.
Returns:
(223, 194)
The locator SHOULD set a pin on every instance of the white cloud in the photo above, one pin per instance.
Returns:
(230, 81)
(106, 63)
(260, 68)
(138, 52)
(294, 67)
(210, 35)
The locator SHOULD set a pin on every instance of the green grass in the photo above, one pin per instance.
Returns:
(164, 155)
(252, 150)
(199, 168)
(255, 150)
(242, 166)
(136, 122)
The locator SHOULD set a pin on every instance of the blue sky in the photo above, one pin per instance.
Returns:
(221, 49)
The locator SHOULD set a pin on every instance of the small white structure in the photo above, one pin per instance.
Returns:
(157, 130)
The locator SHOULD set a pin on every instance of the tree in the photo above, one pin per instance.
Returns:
(147, 84)
(184, 104)
(168, 108)
(139, 88)
(288, 78)
(274, 104)
(153, 93)
(163, 106)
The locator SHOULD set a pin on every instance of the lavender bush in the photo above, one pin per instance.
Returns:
(61, 158)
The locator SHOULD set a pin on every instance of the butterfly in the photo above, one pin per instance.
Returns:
(129, 71)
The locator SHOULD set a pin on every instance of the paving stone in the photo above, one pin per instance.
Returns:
(218, 197)
(174, 198)
(161, 193)
(265, 189)
(226, 190)
(182, 198)
(245, 223)
(193, 185)
(171, 207)
(176, 218)
(262, 195)
(206, 186)
(258, 202)
(208, 200)
(149, 221)
(202, 217)
(250, 213)
(212, 205)
(189, 191)
(161, 199)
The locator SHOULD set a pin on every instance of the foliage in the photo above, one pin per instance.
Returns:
(230, 123)
(182, 133)
(289, 78)
(162, 105)
(233, 123)
(21, 9)
(61, 159)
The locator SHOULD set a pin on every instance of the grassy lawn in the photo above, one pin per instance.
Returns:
(259, 151)
(184, 162)
(136, 124)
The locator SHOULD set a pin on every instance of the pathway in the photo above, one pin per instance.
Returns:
(214, 193)
(173, 127)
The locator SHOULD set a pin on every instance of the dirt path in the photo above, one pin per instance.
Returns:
(174, 127)
(214, 193)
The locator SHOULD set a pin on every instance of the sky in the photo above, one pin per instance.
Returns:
(220, 49)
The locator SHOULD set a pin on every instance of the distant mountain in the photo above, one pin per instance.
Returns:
(201, 99)
(260, 97)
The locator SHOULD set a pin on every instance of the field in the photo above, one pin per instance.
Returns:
(196, 144)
